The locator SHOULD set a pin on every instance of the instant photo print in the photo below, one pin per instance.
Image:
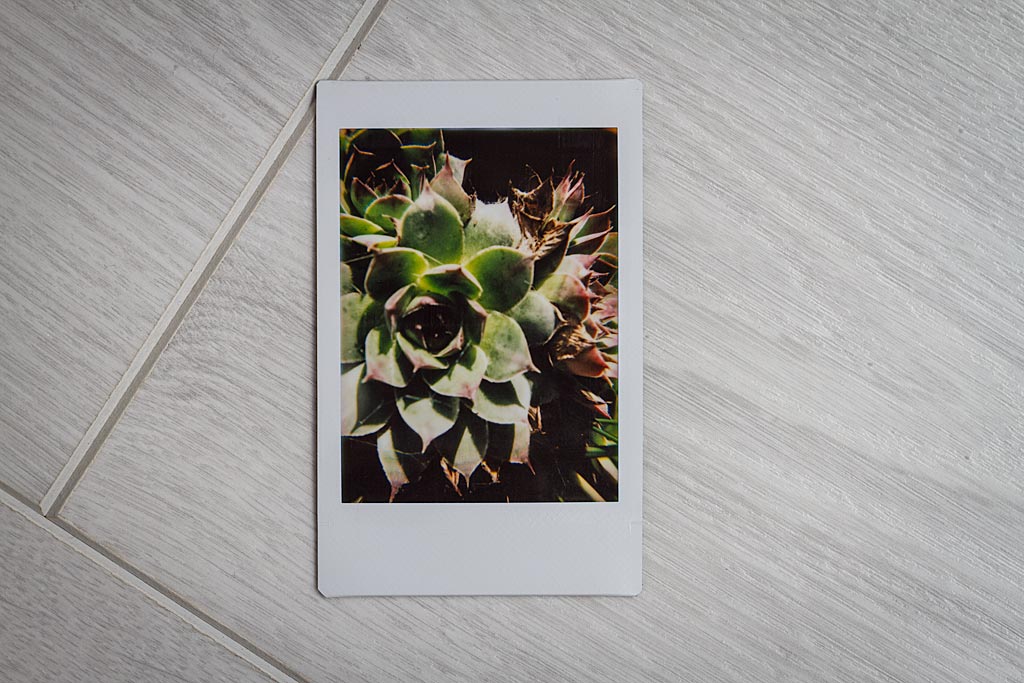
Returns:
(479, 362)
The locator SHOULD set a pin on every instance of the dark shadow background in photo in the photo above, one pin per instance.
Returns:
(509, 158)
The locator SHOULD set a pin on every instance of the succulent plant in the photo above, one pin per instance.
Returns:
(462, 319)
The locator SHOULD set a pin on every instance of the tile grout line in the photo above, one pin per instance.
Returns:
(76, 540)
(206, 264)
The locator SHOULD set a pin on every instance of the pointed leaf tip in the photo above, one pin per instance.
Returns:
(569, 294)
(450, 278)
(433, 226)
(386, 211)
(589, 363)
(356, 316)
(492, 225)
(429, 416)
(383, 362)
(365, 406)
(353, 226)
(448, 186)
(504, 274)
(463, 379)
(503, 402)
(536, 316)
(506, 347)
(393, 269)
(420, 358)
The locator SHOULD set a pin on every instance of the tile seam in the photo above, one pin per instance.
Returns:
(152, 589)
(194, 283)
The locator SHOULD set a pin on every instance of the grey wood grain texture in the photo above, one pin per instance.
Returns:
(128, 129)
(835, 365)
(62, 618)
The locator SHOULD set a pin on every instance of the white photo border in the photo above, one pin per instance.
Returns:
(572, 548)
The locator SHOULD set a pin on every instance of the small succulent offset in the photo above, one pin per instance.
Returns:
(465, 325)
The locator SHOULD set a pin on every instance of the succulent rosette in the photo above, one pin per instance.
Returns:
(461, 319)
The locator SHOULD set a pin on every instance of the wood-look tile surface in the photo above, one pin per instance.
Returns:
(63, 618)
(835, 365)
(128, 130)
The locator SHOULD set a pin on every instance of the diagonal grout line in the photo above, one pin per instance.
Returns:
(12, 498)
(77, 541)
(205, 266)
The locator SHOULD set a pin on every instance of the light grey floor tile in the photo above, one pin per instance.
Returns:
(834, 366)
(128, 130)
(63, 618)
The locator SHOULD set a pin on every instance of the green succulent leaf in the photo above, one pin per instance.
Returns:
(383, 361)
(463, 378)
(587, 363)
(399, 181)
(605, 264)
(432, 225)
(448, 186)
(586, 245)
(466, 443)
(448, 279)
(376, 242)
(587, 489)
(591, 225)
(346, 279)
(472, 445)
(365, 406)
(568, 196)
(507, 442)
(345, 140)
(421, 155)
(384, 211)
(577, 265)
(569, 294)
(350, 251)
(492, 225)
(458, 166)
(396, 303)
(588, 236)
(391, 461)
(419, 136)
(353, 226)
(419, 357)
(400, 455)
(504, 274)
(343, 205)
(601, 451)
(556, 241)
(474, 320)
(353, 307)
(503, 402)
(372, 317)
(361, 196)
(610, 244)
(366, 147)
(429, 416)
(356, 257)
(536, 316)
(521, 443)
(507, 350)
(392, 269)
